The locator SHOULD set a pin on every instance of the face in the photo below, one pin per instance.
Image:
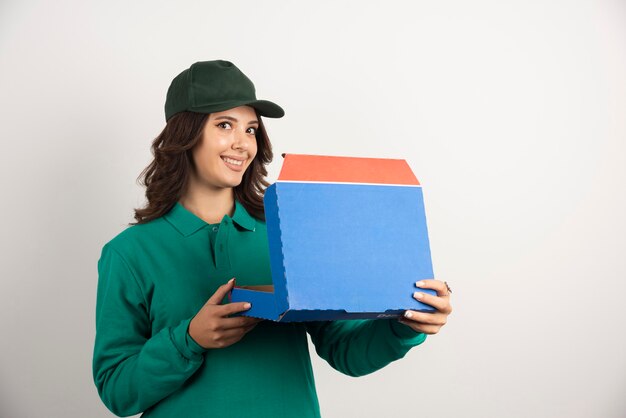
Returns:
(227, 147)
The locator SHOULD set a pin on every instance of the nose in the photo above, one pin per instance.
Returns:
(240, 141)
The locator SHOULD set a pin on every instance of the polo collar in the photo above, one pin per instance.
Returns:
(188, 223)
(242, 218)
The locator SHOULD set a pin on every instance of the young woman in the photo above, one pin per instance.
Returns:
(166, 341)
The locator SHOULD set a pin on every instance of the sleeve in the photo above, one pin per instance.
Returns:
(360, 347)
(133, 369)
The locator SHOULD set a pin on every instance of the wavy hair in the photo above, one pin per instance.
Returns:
(166, 177)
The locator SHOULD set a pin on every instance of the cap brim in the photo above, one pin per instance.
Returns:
(264, 107)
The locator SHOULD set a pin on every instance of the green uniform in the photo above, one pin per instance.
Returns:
(153, 279)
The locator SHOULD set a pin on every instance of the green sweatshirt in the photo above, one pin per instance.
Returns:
(153, 279)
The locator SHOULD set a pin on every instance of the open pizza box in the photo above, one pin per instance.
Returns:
(347, 239)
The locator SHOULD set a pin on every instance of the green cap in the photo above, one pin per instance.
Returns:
(214, 86)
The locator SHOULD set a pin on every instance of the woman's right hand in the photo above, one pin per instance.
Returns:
(213, 328)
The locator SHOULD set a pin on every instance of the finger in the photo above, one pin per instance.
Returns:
(233, 308)
(426, 329)
(250, 328)
(437, 285)
(437, 302)
(228, 337)
(426, 318)
(236, 333)
(221, 292)
(238, 322)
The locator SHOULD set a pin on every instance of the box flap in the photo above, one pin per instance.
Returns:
(350, 248)
(333, 169)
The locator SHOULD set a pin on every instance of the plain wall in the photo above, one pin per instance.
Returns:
(511, 114)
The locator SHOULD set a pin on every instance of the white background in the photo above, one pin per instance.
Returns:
(511, 114)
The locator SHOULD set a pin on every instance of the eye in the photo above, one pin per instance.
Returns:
(224, 125)
(251, 130)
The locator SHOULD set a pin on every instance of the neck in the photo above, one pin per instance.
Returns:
(210, 205)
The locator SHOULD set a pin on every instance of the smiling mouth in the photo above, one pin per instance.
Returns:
(232, 161)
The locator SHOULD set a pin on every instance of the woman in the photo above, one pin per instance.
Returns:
(166, 343)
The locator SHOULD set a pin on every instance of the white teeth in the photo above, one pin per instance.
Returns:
(231, 161)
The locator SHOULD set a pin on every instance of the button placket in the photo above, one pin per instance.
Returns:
(212, 243)
(222, 258)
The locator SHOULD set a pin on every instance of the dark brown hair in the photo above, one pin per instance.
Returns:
(166, 177)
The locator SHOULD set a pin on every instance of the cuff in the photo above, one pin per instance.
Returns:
(406, 333)
(186, 345)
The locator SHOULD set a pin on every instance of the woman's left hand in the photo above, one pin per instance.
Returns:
(429, 322)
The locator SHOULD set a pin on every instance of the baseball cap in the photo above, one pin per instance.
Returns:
(214, 86)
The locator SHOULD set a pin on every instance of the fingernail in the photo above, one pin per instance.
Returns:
(247, 306)
(420, 283)
(408, 314)
(231, 280)
(418, 295)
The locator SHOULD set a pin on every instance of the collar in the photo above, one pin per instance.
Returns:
(242, 218)
(188, 223)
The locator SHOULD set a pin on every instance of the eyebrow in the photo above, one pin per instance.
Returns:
(235, 119)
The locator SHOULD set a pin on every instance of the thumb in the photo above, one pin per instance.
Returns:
(221, 293)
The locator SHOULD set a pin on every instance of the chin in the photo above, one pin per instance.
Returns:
(232, 184)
